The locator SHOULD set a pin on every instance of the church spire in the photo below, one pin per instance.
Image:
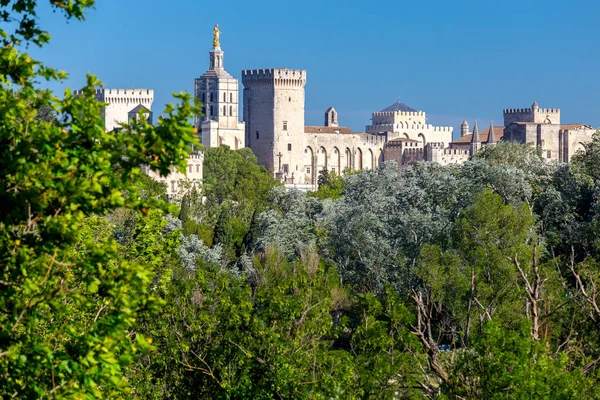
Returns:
(475, 137)
(491, 139)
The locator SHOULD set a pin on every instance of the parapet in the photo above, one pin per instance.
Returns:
(402, 113)
(274, 76)
(530, 110)
(120, 92)
(197, 156)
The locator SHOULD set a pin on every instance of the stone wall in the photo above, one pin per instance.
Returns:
(120, 103)
(179, 183)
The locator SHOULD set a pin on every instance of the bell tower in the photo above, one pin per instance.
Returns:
(218, 92)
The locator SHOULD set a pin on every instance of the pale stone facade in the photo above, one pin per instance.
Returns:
(535, 126)
(400, 121)
(295, 153)
(123, 104)
(179, 183)
(219, 93)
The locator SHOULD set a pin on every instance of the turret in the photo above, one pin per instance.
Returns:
(475, 142)
(475, 137)
(491, 139)
(331, 117)
(464, 128)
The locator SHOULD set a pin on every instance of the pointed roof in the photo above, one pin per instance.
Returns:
(464, 123)
(475, 136)
(491, 139)
(138, 108)
(535, 105)
(398, 106)
(483, 136)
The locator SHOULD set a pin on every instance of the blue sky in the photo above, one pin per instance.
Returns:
(454, 60)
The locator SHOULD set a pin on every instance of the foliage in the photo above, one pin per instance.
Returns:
(68, 299)
(504, 364)
(330, 185)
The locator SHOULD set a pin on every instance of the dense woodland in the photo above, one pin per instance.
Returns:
(477, 281)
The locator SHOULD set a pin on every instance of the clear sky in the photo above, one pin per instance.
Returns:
(454, 60)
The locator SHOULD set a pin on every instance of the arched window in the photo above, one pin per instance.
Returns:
(231, 97)
(224, 110)
(211, 110)
(211, 97)
(198, 168)
(203, 97)
(230, 111)
(224, 97)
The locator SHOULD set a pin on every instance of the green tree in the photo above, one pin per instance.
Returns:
(502, 364)
(68, 300)
(330, 184)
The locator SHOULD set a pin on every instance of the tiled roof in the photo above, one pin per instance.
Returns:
(328, 129)
(398, 106)
(567, 127)
(483, 135)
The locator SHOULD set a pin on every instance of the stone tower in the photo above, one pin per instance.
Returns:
(464, 128)
(274, 116)
(219, 93)
(331, 117)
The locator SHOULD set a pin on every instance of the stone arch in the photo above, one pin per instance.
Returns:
(309, 167)
(348, 155)
(380, 158)
(359, 159)
(336, 165)
(370, 159)
(321, 159)
(422, 136)
(406, 135)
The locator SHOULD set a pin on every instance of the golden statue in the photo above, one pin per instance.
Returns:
(216, 33)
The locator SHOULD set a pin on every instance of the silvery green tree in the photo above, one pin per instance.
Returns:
(68, 301)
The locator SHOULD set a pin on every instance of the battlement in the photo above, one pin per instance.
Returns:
(126, 96)
(531, 110)
(274, 76)
(404, 143)
(401, 113)
(197, 156)
(414, 151)
(534, 114)
(436, 145)
(404, 127)
(443, 128)
(120, 92)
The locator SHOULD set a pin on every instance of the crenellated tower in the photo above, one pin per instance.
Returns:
(535, 115)
(274, 116)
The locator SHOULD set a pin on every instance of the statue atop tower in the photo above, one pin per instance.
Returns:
(216, 34)
(218, 92)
